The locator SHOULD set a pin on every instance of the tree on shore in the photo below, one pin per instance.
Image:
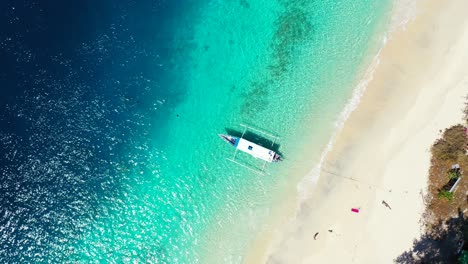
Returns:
(440, 244)
(452, 145)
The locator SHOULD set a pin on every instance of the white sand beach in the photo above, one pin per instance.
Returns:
(382, 152)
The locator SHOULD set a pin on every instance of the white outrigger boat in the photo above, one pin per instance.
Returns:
(251, 148)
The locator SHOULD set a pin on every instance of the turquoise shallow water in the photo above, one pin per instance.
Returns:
(150, 181)
(288, 67)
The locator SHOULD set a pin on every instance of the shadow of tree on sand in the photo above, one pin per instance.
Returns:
(440, 244)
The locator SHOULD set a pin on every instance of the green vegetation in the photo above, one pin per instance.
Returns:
(446, 194)
(442, 241)
(453, 174)
(451, 145)
(448, 150)
(463, 259)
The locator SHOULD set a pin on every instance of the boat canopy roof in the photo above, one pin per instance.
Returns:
(255, 150)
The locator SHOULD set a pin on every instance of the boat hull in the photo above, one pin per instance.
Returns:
(229, 139)
(251, 148)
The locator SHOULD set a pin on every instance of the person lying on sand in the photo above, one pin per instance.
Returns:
(386, 204)
(315, 236)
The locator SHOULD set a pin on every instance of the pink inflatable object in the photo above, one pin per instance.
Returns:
(355, 210)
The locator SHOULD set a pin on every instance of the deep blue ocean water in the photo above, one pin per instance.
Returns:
(81, 86)
(110, 110)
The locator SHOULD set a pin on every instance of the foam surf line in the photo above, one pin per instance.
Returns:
(403, 12)
(397, 22)
(311, 178)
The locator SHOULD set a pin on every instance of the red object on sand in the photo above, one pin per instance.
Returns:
(355, 210)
